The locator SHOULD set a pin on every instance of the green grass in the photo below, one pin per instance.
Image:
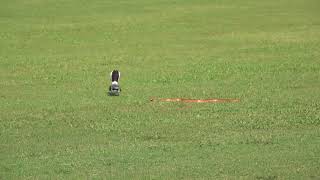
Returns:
(57, 122)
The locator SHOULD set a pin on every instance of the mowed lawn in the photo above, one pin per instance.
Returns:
(57, 122)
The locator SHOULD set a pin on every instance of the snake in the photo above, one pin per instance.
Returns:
(215, 100)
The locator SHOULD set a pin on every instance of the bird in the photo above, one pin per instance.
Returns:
(114, 88)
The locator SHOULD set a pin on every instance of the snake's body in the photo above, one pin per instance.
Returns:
(195, 100)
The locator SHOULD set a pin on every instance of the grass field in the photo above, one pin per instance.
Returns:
(57, 122)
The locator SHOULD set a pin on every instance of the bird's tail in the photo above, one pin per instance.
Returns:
(115, 76)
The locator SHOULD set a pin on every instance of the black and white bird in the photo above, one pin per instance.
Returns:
(114, 88)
